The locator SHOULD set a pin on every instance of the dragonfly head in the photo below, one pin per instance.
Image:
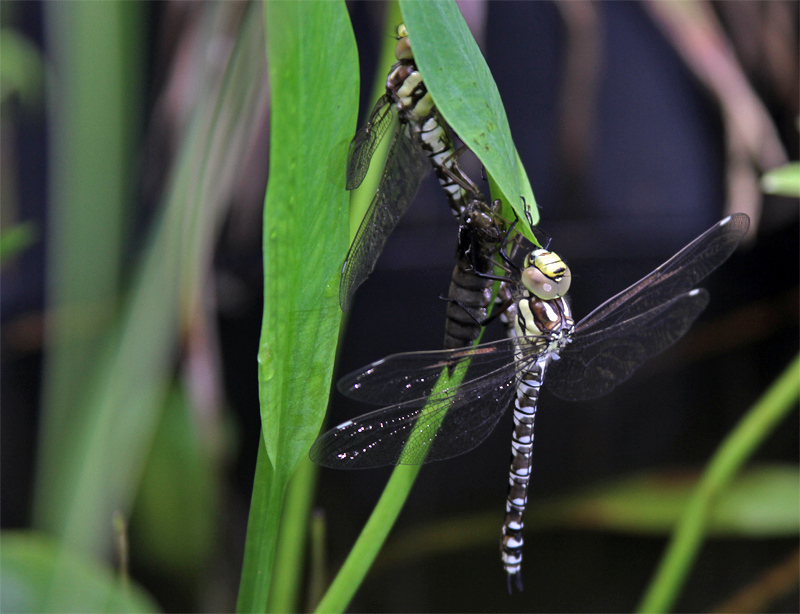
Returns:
(402, 51)
(545, 275)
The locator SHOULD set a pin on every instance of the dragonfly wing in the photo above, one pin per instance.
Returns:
(446, 424)
(413, 376)
(673, 278)
(406, 166)
(363, 145)
(595, 363)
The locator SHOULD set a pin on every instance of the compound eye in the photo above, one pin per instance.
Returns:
(565, 282)
(539, 284)
(544, 287)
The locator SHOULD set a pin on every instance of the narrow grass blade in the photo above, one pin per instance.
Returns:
(370, 541)
(381, 521)
(756, 425)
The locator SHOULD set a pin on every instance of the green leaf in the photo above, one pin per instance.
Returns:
(313, 71)
(784, 181)
(28, 562)
(314, 101)
(466, 95)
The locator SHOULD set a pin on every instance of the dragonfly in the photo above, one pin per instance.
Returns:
(481, 234)
(421, 139)
(444, 403)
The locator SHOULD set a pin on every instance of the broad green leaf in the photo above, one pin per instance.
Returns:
(312, 61)
(784, 181)
(314, 101)
(28, 562)
(466, 95)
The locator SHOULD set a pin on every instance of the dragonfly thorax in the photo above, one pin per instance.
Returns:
(406, 87)
(550, 322)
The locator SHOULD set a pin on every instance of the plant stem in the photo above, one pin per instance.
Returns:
(292, 536)
(370, 541)
(729, 458)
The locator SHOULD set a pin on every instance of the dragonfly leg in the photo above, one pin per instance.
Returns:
(453, 171)
(517, 582)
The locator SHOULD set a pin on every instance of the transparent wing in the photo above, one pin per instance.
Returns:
(406, 166)
(676, 276)
(412, 376)
(593, 364)
(430, 422)
(363, 145)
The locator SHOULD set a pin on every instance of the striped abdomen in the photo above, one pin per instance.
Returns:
(407, 90)
(548, 321)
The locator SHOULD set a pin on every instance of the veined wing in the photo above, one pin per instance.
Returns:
(431, 422)
(406, 166)
(363, 145)
(594, 363)
(412, 376)
(673, 278)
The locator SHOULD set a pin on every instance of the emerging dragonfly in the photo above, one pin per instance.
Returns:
(429, 419)
(421, 139)
(480, 235)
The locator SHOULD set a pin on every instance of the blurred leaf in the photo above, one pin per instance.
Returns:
(784, 181)
(100, 453)
(28, 562)
(313, 115)
(762, 502)
(466, 95)
(174, 519)
(92, 123)
(21, 71)
(16, 239)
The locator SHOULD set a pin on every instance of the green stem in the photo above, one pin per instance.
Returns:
(291, 548)
(756, 425)
(370, 541)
